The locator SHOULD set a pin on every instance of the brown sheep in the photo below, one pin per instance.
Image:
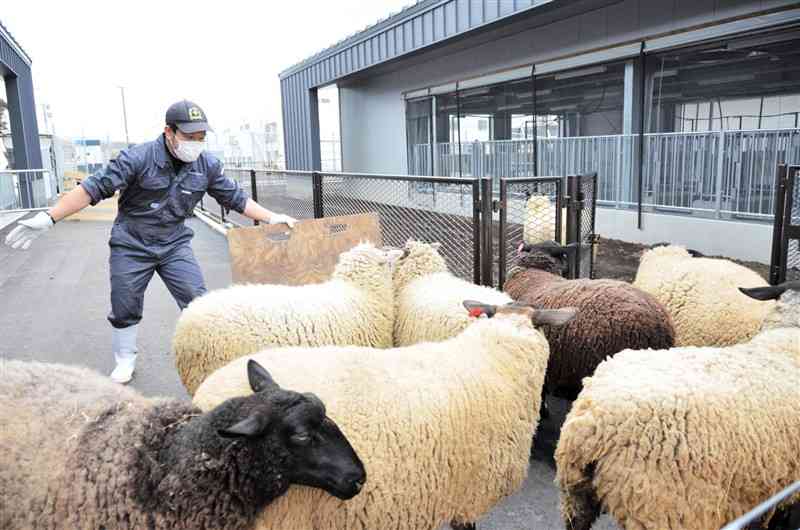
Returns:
(612, 316)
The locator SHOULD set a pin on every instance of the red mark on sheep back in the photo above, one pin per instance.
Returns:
(475, 312)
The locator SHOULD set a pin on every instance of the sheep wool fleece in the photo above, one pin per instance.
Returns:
(444, 428)
(76, 451)
(429, 298)
(613, 316)
(702, 296)
(540, 220)
(430, 308)
(689, 439)
(356, 306)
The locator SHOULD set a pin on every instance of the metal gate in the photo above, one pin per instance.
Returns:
(539, 209)
(786, 232)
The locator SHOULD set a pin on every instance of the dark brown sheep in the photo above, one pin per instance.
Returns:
(612, 316)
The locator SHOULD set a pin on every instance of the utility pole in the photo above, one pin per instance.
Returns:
(124, 115)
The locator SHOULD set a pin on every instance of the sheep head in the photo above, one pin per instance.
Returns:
(419, 259)
(547, 256)
(537, 317)
(278, 426)
(367, 265)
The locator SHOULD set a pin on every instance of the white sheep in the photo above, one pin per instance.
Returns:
(785, 311)
(79, 451)
(540, 220)
(354, 307)
(702, 296)
(444, 428)
(683, 439)
(428, 298)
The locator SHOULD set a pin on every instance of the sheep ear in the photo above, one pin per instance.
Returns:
(259, 378)
(478, 308)
(695, 253)
(770, 292)
(253, 425)
(553, 317)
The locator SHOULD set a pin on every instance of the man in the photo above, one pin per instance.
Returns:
(160, 182)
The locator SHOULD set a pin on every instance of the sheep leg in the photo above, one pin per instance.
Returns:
(462, 526)
(579, 505)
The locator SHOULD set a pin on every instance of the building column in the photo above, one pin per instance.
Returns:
(24, 132)
(313, 130)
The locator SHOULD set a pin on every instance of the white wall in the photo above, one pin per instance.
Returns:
(747, 241)
(373, 111)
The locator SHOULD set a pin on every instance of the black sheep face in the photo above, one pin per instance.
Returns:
(547, 256)
(314, 452)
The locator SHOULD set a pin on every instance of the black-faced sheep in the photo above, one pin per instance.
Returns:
(683, 439)
(79, 451)
(612, 316)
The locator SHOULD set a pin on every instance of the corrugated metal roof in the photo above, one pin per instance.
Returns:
(415, 27)
(14, 44)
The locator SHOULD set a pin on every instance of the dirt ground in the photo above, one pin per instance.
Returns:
(619, 260)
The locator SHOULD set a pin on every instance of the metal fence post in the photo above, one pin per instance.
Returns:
(486, 217)
(316, 186)
(502, 258)
(720, 170)
(574, 197)
(777, 227)
(476, 231)
(253, 190)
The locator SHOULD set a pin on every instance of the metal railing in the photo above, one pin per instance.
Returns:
(27, 189)
(723, 174)
(756, 513)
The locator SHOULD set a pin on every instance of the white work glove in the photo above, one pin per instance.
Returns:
(278, 218)
(26, 231)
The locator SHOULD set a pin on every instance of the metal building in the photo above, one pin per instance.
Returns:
(15, 67)
(682, 106)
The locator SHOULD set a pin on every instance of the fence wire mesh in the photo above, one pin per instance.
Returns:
(532, 211)
(27, 189)
(421, 208)
(289, 192)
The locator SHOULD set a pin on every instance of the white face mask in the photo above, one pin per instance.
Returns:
(188, 151)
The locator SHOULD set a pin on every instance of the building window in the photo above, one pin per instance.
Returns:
(582, 102)
(751, 83)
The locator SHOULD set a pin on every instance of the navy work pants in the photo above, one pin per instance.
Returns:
(135, 255)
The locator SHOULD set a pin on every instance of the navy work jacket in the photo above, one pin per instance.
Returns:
(153, 197)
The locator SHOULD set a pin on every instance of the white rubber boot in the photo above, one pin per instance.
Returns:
(124, 346)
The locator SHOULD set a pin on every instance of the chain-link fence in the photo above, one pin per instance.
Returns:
(430, 209)
(786, 233)
(289, 192)
(27, 189)
(582, 192)
(531, 211)
(476, 231)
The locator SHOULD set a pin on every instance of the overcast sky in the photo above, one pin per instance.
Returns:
(224, 55)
